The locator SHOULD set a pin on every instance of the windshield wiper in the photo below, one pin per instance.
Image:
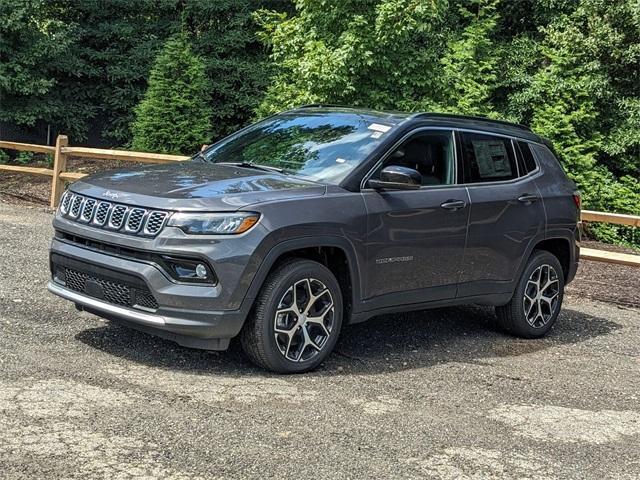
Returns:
(265, 168)
(199, 156)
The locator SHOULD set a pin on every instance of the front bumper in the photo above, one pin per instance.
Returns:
(187, 314)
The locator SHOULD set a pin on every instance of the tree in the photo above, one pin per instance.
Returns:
(98, 55)
(174, 116)
(32, 50)
(584, 97)
(469, 74)
(224, 36)
(568, 68)
(380, 54)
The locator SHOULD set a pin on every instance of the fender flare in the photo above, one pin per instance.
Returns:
(309, 242)
(556, 235)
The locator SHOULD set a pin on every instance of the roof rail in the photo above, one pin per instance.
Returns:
(430, 115)
(320, 105)
(471, 117)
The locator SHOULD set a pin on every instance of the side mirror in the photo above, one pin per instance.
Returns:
(395, 177)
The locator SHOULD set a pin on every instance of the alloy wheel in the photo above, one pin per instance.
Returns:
(541, 296)
(304, 320)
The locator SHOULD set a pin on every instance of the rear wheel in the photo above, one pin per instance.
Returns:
(536, 302)
(296, 319)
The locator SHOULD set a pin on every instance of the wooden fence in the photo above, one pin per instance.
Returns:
(62, 152)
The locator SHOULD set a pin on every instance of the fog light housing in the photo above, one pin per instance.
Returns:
(187, 270)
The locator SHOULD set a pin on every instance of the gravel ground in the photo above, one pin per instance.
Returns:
(437, 394)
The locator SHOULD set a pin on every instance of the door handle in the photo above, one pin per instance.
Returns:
(527, 198)
(453, 205)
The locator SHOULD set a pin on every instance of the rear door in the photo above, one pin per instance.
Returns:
(506, 213)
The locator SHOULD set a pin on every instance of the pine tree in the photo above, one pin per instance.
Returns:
(174, 116)
(469, 74)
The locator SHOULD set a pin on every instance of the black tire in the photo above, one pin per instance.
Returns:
(512, 317)
(259, 340)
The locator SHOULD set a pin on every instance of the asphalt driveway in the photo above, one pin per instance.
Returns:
(438, 394)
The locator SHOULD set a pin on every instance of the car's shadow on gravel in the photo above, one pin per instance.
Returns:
(390, 342)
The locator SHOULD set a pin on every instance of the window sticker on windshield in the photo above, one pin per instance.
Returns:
(377, 127)
(376, 134)
(340, 160)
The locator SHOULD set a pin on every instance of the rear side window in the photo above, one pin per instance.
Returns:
(488, 158)
(528, 163)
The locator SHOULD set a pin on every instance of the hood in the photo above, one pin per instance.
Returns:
(194, 186)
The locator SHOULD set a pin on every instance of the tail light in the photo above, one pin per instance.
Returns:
(577, 200)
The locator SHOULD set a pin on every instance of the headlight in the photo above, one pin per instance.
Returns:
(214, 223)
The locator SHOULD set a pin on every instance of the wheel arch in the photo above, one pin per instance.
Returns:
(560, 248)
(335, 253)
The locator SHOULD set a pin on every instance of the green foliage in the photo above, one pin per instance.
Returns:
(4, 157)
(579, 101)
(32, 46)
(83, 66)
(224, 36)
(24, 158)
(174, 116)
(568, 68)
(469, 73)
(380, 54)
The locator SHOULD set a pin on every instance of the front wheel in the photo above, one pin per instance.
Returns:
(296, 319)
(536, 302)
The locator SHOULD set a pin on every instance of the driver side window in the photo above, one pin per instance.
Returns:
(430, 153)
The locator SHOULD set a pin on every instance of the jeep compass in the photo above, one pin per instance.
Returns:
(318, 217)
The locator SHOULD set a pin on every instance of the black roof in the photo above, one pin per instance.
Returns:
(440, 119)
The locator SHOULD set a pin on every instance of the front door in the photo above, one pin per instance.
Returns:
(416, 238)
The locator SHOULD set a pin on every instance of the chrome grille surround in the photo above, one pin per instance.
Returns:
(116, 219)
(66, 202)
(87, 210)
(155, 222)
(102, 213)
(112, 216)
(135, 219)
(76, 206)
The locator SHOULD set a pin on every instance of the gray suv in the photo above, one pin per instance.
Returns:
(318, 217)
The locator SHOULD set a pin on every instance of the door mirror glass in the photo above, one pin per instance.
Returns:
(395, 177)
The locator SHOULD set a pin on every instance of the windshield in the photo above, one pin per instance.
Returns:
(323, 147)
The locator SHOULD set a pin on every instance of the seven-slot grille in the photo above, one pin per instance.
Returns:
(112, 216)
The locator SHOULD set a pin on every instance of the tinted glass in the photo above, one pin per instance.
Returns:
(527, 157)
(322, 147)
(431, 154)
(488, 158)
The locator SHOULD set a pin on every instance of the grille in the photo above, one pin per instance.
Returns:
(114, 216)
(155, 222)
(145, 300)
(112, 291)
(76, 203)
(101, 213)
(87, 210)
(134, 220)
(117, 216)
(66, 202)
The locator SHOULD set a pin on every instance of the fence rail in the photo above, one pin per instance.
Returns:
(27, 147)
(62, 152)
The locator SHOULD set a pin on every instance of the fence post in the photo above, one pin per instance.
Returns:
(59, 166)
